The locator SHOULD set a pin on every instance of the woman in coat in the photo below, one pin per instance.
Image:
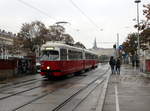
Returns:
(118, 64)
(112, 63)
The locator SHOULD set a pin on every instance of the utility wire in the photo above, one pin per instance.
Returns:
(37, 9)
(90, 20)
(40, 11)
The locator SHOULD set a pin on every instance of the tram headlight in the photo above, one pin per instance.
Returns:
(48, 67)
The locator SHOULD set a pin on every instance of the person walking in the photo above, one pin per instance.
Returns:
(118, 65)
(137, 60)
(133, 59)
(112, 63)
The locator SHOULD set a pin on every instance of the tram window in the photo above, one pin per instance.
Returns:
(74, 55)
(71, 55)
(80, 55)
(63, 54)
(88, 56)
(50, 55)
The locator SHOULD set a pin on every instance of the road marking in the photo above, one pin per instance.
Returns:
(117, 100)
(98, 81)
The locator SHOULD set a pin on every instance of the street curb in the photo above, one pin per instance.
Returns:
(103, 95)
(145, 75)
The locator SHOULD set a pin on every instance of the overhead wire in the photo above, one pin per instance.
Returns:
(37, 9)
(90, 20)
(46, 14)
(71, 1)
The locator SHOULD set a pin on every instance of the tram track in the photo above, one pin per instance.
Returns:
(54, 90)
(20, 85)
(42, 95)
(8, 89)
(5, 97)
(78, 92)
(103, 79)
(17, 84)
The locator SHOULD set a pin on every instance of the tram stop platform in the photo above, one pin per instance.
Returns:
(129, 91)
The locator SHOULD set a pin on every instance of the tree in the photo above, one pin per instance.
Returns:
(144, 24)
(146, 12)
(145, 28)
(145, 38)
(80, 45)
(18, 45)
(130, 45)
(67, 39)
(33, 34)
(56, 32)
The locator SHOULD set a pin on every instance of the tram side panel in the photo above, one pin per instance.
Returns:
(69, 63)
(51, 68)
(58, 60)
(72, 66)
(75, 60)
(88, 60)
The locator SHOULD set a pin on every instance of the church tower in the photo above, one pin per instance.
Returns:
(95, 44)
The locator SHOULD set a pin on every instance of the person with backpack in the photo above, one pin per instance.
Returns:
(112, 64)
(118, 65)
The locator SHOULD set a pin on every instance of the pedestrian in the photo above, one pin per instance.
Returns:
(133, 58)
(118, 65)
(137, 61)
(112, 63)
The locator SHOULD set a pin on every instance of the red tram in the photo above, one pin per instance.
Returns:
(60, 59)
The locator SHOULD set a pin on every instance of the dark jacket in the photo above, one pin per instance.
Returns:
(112, 62)
(118, 63)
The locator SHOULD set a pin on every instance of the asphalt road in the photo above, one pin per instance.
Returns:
(71, 93)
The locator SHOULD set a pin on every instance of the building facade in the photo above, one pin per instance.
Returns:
(5, 45)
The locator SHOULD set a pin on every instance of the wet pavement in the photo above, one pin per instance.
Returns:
(33, 93)
(64, 94)
(19, 79)
(129, 91)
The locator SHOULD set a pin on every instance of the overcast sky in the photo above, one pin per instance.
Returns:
(100, 19)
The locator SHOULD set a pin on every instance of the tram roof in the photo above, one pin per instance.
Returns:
(62, 45)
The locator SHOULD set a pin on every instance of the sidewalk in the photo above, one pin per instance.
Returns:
(128, 92)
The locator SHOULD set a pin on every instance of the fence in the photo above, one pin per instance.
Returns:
(16, 67)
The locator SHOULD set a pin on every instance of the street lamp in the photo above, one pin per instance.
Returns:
(61, 22)
(138, 38)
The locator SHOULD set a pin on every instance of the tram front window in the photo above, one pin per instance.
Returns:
(50, 55)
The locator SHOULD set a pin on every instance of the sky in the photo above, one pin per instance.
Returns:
(87, 19)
